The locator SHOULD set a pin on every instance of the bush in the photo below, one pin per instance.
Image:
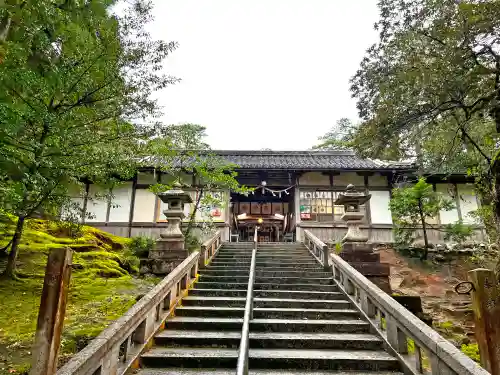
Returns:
(472, 351)
(140, 246)
(192, 242)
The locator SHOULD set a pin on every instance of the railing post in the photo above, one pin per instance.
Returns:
(395, 336)
(52, 310)
(486, 307)
(366, 305)
(326, 257)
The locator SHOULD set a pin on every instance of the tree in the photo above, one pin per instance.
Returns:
(339, 137)
(73, 77)
(430, 88)
(413, 206)
(181, 150)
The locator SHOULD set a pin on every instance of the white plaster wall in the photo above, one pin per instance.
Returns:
(377, 180)
(146, 178)
(120, 206)
(344, 179)
(468, 202)
(170, 179)
(96, 204)
(144, 206)
(447, 217)
(314, 178)
(379, 207)
(76, 198)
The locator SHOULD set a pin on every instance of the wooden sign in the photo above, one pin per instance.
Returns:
(244, 208)
(277, 208)
(266, 208)
(255, 208)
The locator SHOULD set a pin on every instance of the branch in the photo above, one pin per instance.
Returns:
(85, 96)
(43, 198)
(432, 37)
(20, 97)
(78, 80)
(476, 146)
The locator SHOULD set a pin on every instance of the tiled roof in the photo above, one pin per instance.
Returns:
(303, 160)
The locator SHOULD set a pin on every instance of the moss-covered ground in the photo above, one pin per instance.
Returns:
(103, 286)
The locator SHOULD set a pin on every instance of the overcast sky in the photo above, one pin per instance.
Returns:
(263, 73)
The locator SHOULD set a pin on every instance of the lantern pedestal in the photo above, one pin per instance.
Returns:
(355, 247)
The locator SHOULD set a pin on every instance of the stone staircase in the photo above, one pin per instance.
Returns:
(301, 322)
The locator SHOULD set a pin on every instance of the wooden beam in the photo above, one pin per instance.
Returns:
(132, 205)
(85, 202)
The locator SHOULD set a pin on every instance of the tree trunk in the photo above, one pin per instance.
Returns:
(4, 250)
(10, 270)
(424, 230)
(193, 214)
(495, 171)
(496, 209)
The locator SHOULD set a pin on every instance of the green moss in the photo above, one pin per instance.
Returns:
(472, 351)
(447, 326)
(102, 289)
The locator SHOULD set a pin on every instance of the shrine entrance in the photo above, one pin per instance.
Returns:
(269, 208)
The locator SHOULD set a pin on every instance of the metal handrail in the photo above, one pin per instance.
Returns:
(242, 368)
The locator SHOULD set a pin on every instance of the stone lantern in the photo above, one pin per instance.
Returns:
(169, 249)
(351, 200)
(355, 247)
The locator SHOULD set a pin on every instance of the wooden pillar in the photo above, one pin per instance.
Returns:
(486, 307)
(132, 205)
(51, 313)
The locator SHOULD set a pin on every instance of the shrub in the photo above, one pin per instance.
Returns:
(140, 246)
(472, 351)
(192, 242)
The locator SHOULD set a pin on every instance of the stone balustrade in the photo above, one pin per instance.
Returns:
(418, 347)
(318, 248)
(117, 348)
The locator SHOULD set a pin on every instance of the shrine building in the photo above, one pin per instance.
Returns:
(293, 191)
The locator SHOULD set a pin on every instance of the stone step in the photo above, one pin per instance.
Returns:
(185, 338)
(265, 302)
(203, 324)
(317, 326)
(267, 325)
(266, 312)
(292, 272)
(263, 264)
(248, 254)
(315, 268)
(302, 303)
(264, 251)
(271, 358)
(294, 294)
(262, 259)
(285, 261)
(192, 371)
(267, 279)
(297, 286)
(191, 300)
(270, 340)
(197, 291)
(302, 313)
(209, 311)
(266, 286)
(259, 254)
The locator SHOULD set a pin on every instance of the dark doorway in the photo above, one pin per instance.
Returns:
(270, 209)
